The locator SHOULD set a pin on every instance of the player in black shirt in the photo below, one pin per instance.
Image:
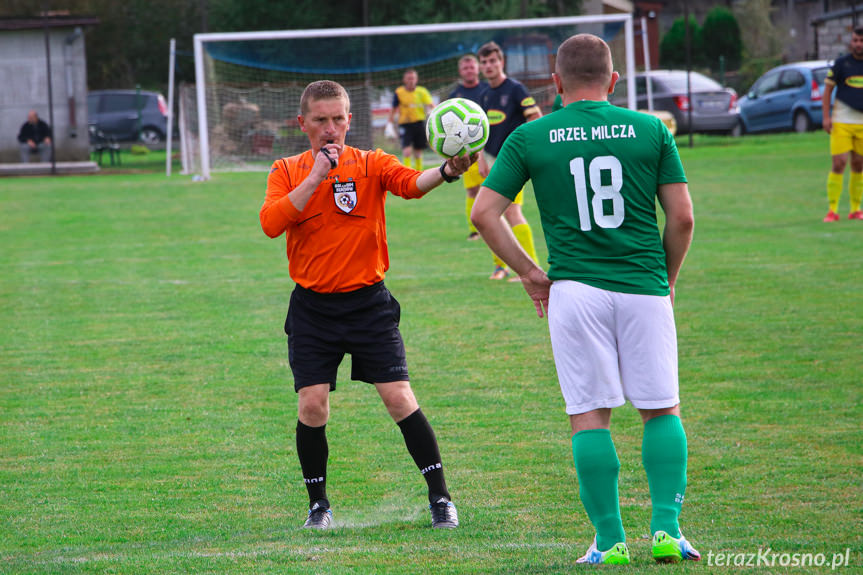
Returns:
(508, 105)
(471, 88)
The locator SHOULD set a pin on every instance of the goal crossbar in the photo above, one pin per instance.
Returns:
(201, 39)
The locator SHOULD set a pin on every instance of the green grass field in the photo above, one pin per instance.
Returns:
(147, 411)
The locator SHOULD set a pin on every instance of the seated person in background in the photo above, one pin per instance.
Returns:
(35, 137)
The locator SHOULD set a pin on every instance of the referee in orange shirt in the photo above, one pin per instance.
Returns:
(329, 203)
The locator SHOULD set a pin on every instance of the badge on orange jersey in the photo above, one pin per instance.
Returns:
(345, 195)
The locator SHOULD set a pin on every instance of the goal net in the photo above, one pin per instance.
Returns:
(242, 112)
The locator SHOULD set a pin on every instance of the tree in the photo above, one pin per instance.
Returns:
(761, 37)
(762, 40)
(245, 15)
(130, 45)
(720, 36)
(672, 48)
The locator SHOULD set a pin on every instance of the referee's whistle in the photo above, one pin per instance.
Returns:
(327, 154)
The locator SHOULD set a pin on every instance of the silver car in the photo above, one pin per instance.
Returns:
(714, 108)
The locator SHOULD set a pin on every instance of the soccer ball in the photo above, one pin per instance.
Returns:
(456, 127)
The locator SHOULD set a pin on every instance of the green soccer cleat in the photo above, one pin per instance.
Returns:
(667, 549)
(617, 555)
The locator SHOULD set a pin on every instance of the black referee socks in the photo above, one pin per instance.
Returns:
(422, 445)
(312, 450)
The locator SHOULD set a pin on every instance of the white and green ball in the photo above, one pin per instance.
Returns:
(456, 127)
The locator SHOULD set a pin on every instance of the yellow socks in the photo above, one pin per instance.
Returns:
(834, 190)
(855, 190)
(468, 206)
(412, 162)
(525, 237)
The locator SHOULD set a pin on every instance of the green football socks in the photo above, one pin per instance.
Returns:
(597, 467)
(663, 453)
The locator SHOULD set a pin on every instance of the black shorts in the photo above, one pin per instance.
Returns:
(414, 135)
(322, 328)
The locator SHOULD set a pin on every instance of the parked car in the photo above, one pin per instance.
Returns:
(787, 97)
(129, 115)
(714, 108)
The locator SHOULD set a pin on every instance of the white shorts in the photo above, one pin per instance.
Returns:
(610, 347)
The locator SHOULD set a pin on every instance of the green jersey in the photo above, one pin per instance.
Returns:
(557, 104)
(595, 170)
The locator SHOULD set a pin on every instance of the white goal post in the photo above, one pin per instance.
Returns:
(202, 41)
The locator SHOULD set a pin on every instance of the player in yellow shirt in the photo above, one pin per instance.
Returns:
(412, 103)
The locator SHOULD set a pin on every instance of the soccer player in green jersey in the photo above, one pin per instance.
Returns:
(597, 171)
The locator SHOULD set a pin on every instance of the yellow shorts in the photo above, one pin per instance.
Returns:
(845, 138)
(472, 179)
(519, 199)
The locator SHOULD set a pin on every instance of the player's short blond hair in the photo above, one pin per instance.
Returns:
(467, 57)
(584, 60)
(323, 90)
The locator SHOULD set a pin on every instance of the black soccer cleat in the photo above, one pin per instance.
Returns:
(319, 517)
(443, 514)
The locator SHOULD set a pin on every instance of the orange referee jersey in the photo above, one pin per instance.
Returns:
(338, 242)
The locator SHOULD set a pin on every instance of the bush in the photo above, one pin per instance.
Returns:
(721, 37)
(672, 48)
